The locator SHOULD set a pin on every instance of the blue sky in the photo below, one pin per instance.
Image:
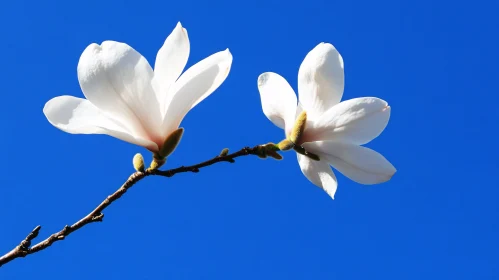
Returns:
(435, 62)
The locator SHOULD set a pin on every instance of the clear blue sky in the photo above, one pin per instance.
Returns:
(435, 62)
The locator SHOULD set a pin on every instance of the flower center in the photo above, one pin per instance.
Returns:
(296, 134)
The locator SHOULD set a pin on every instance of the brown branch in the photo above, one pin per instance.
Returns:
(24, 248)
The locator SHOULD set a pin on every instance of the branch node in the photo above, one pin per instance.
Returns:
(26, 243)
(65, 231)
(98, 217)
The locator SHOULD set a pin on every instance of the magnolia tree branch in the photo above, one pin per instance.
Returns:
(24, 248)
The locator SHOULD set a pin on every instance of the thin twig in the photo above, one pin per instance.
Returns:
(24, 248)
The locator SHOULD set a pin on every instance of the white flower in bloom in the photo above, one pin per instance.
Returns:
(126, 98)
(333, 131)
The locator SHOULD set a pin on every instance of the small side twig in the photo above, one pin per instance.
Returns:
(24, 248)
(195, 168)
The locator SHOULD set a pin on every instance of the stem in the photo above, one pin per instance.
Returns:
(24, 248)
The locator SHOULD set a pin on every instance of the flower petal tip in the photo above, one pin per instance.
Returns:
(180, 28)
(387, 177)
(228, 53)
(330, 193)
(263, 78)
(326, 46)
(93, 48)
(226, 57)
(393, 174)
(228, 64)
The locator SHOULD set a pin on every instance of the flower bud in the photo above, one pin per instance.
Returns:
(138, 162)
(298, 128)
(224, 152)
(171, 142)
(285, 145)
(157, 161)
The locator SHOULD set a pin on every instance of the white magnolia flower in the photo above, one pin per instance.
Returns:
(126, 98)
(333, 131)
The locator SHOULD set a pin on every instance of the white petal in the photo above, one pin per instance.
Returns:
(278, 99)
(194, 85)
(321, 79)
(170, 61)
(79, 116)
(358, 163)
(117, 80)
(319, 173)
(356, 121)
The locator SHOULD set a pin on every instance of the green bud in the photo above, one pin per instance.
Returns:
(261, 152)
(271, 147)
(224, 152)
(138, 162)
(312, 156)
(171, 142)
(274, 155)
(285, 145)
(299, 127)
(302, 151)
(157, 161)
(299, 149)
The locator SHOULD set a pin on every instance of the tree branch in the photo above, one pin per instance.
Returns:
(24, 248)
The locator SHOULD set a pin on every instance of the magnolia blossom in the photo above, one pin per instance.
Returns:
(333, 131)
(126, 98)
